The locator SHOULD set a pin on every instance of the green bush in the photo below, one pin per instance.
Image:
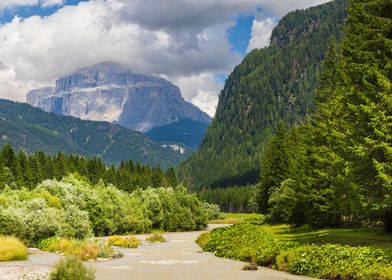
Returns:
(73, 208)
(203, 239)
(248, 242)
(335, 261)
(71, 268)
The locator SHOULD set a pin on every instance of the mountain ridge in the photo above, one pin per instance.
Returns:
(270, 85)
(31, 129)
(111, 92)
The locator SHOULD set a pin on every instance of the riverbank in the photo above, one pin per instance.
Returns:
(178, 258)
(327, 254)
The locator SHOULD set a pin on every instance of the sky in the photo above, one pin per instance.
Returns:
(193, 43)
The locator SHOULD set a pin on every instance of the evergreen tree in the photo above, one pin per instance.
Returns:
(367, 100)
(274, 167)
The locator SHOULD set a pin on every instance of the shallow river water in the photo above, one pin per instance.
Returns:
(178, 258)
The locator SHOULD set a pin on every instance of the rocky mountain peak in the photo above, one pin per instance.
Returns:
(111, 92)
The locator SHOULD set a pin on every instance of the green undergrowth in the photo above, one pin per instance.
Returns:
(305, 251)
(236, 218)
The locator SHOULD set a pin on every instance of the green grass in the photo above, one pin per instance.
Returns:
(351, 237)
(12, 249)
(236, 218)
(328, 254)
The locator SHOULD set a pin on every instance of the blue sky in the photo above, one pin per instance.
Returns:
(27, 11)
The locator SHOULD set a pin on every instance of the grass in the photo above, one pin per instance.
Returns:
(236, 218)
(351, 237)
(82, 249)
(328, 254)
(125, 242)
(156, 238)
(12, 249)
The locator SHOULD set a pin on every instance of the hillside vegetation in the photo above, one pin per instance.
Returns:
(270, 85)
(31, 129)
(22, 170)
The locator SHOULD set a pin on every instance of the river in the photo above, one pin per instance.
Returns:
(178, 258)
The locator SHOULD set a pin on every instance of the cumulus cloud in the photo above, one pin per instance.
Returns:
(200, 89)
(261, 33)
(185, 40)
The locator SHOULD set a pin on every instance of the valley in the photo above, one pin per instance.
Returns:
(178, 258)
(114, 170)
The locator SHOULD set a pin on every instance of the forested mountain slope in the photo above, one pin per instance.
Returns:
(31, 129)
(271, 84)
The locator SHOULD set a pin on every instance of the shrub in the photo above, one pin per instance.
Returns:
(126, 242)
(73, 208)
(12, 221)
(12, 249)
(156, 238)
(84, 250)
(212, 210)
(71, 268)
(203, 239)
(336, 262)
(248, 242)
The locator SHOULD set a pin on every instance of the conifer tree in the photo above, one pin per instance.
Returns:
(367, 100)
(274, 167)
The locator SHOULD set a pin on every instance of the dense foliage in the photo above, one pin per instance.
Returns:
(74, 208)
(232, 199)
(340, 172)
(271, 85)
(30, 129)
(248, 242)
(27, 170)
(187, 132)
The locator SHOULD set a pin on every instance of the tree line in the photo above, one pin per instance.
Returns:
(19, 169)
(336, 169)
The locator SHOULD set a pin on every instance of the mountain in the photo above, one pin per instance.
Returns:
(270, 85)
(187, 132)
(113, 93)
(31, 129)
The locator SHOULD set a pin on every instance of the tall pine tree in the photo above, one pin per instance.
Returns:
(367, 100)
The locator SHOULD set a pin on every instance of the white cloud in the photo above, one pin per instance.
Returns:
(186, 40)
(281, 7)
(48, 3)
(261, 33)
(201, 89)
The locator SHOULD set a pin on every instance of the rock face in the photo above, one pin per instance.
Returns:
(110, 92)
